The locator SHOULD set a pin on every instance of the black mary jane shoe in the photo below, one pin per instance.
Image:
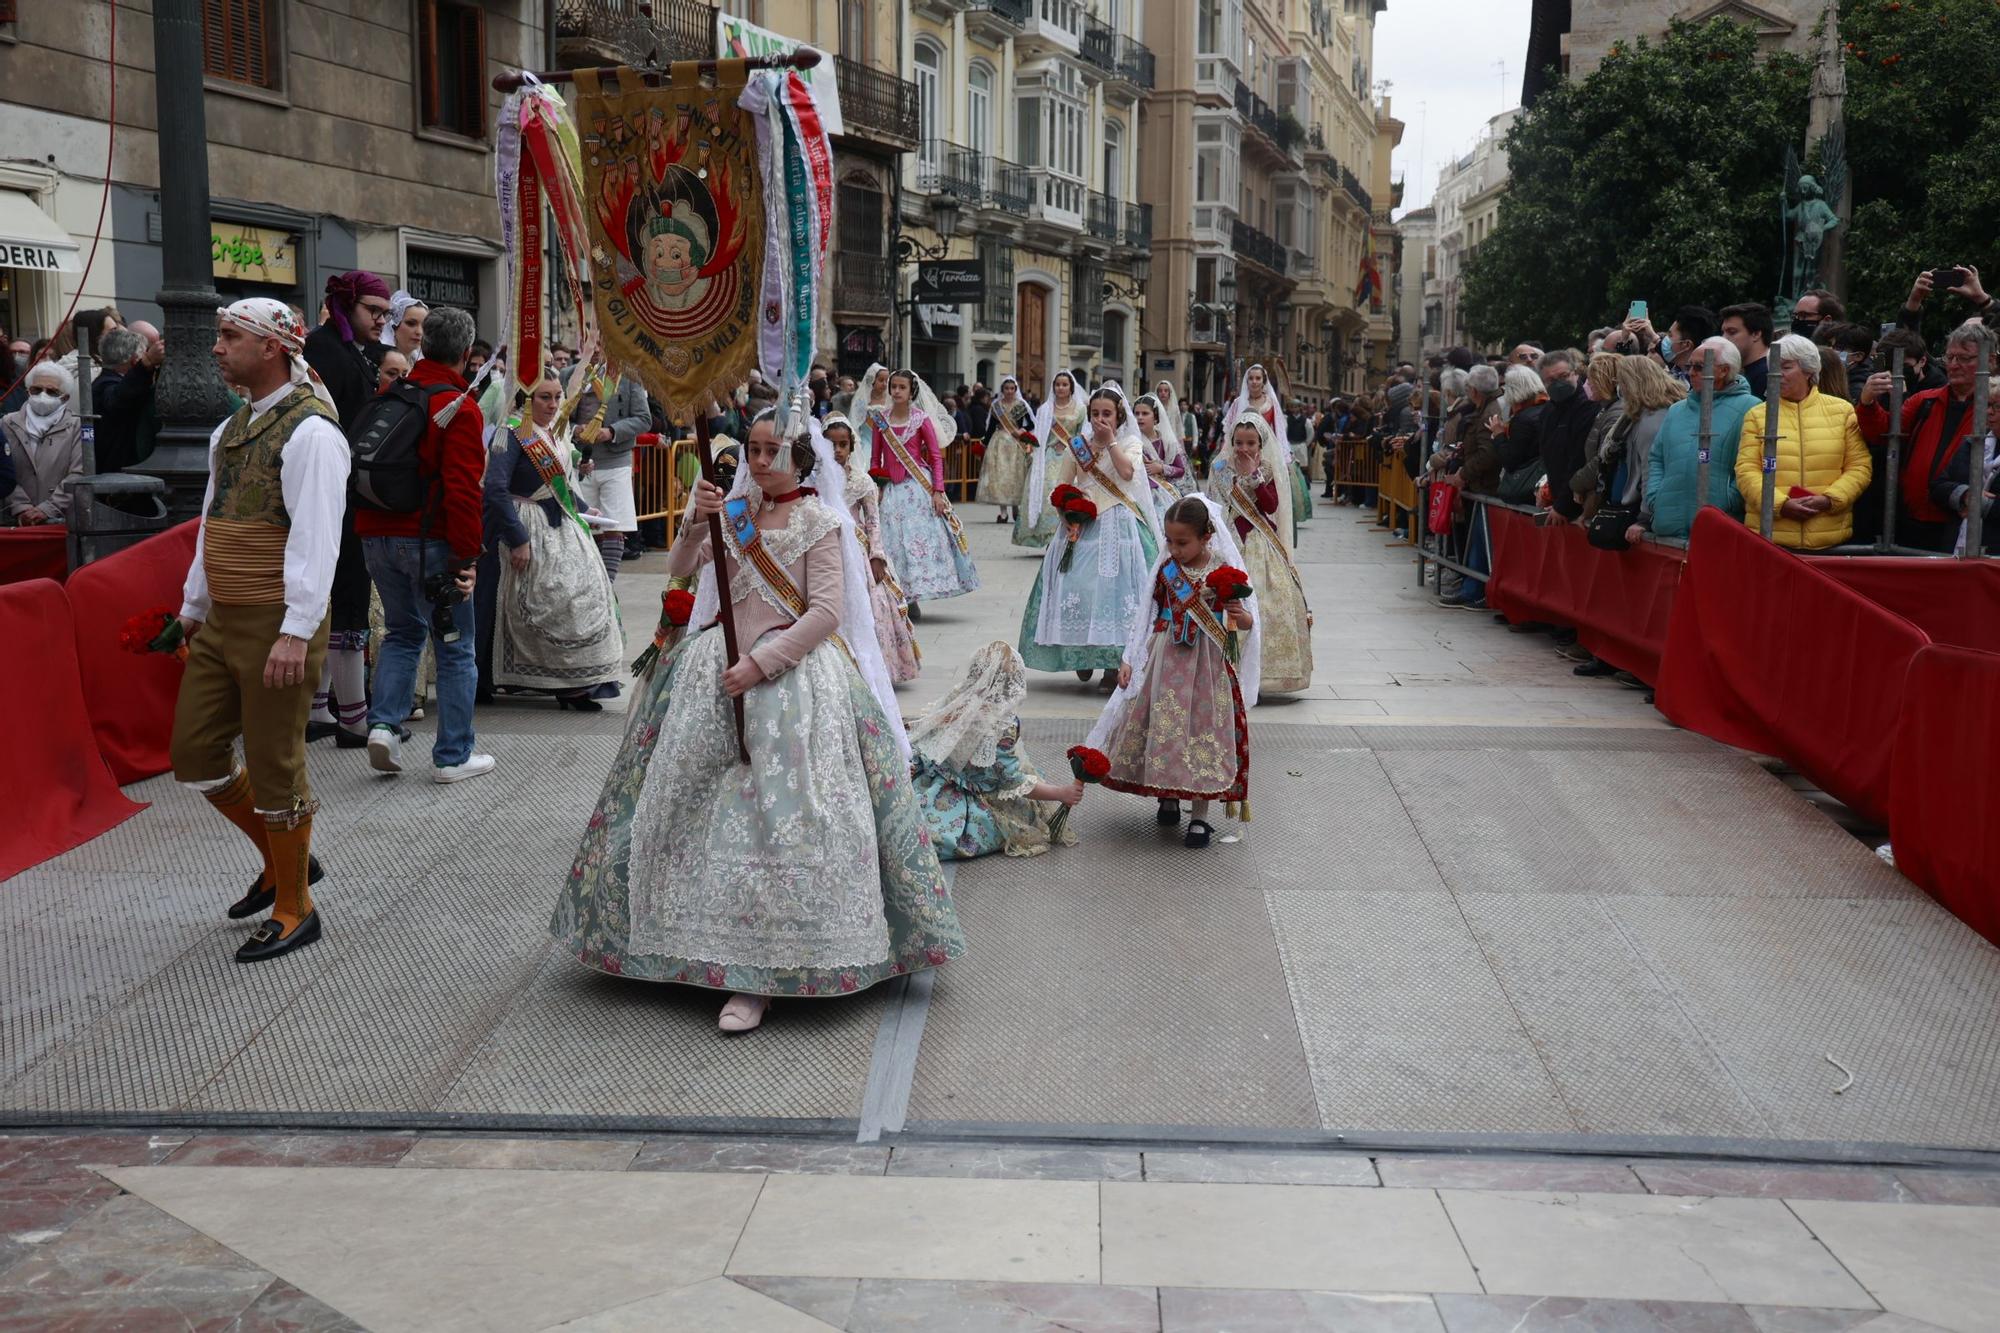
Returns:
(581, 703)
(916, 614)
(260, 899)
(344, 739)
(1085, 676)
(1170, 814)
(1198, 834)
(267, 941)
(319, 731)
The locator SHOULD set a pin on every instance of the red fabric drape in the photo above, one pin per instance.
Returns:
(34, 553)
(1952, 601)
(130, 697)
(1944, 789)
(54, 785)
(1768, 653)
(1618, 601)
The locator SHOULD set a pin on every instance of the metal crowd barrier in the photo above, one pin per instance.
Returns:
(1357, 463)
(662, 476)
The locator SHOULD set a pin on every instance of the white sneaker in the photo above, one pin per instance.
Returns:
(471, 768)
(385, 750)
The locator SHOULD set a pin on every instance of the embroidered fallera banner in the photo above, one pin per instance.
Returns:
(674, 203)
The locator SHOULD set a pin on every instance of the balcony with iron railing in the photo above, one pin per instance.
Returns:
(876, 106)
(1055, 199)
(1352, 185)
(980, 180)
(1086, 305)
(1136, 66)
(997, 20)
(1258, 247)
(863, 284)
(626, 32)
(995, 312)
(1101, 216)
(1097, 43)
(1052, 27)
(1138, 232)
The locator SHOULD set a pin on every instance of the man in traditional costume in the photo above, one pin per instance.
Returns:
(255, 612)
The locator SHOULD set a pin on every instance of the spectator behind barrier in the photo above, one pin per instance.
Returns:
(1749, 327)
(45, 441)
(1935, 424)
(1822, 462)
(1479, 466)
(1955, 487)
(124, 397)
(1669, 507)
(1646, 390)
(1524, 405)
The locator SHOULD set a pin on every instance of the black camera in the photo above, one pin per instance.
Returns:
(442, 590)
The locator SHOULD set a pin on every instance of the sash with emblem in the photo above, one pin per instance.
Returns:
(880, 421)
(1246, 505)
(1079, 451)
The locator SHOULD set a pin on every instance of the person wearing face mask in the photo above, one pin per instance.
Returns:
(1667, 507)
(1815, 308)
(18, 354)
(45, 441)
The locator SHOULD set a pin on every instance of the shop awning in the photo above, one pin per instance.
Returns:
(30, 238)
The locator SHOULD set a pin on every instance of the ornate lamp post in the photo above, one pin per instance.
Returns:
(189, 395)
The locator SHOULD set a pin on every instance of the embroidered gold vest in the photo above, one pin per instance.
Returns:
(243, 534)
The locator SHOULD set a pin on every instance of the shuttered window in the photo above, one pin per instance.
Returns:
(451, 56)
(7, 14)
(239, 41)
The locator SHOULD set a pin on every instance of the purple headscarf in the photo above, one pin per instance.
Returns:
(344, 291)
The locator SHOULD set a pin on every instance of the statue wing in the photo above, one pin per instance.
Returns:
(1833, 165)
(1792, 172)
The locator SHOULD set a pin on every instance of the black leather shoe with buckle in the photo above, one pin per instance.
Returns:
(268, 941)
(259, 899)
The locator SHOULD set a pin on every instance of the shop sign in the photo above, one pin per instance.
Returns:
(253, 254)
(440, 279)
(949, 282)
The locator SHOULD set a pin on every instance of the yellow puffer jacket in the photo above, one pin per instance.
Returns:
(1819, 448)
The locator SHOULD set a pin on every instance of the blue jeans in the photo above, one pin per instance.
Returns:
(1477, 556)
(399, 565)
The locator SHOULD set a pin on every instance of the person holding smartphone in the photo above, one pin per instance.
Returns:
(1958, 280)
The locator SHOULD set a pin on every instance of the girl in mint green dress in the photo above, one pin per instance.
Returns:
(976, 788)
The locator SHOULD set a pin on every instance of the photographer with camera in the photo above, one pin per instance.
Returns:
(420, 465)
(1961, 280)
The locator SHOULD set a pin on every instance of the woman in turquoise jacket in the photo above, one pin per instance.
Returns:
(1668, 508)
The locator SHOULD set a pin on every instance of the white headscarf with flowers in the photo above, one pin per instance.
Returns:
(262, 317)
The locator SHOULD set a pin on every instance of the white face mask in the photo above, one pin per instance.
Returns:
(44, 405)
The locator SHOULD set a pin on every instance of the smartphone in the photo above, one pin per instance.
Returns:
(1636, 311)
(1887, 329)
(1944, 279)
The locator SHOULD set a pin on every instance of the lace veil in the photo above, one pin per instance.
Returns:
(1045, 420)
(964, 729)
(1222, 470)
(1241, 407)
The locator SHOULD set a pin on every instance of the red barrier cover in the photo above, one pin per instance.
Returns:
(1951, 601)
(1618, 601)
(34, 553)
(1944, 790)
(130, 697)
(54, 786)
(1768, 653)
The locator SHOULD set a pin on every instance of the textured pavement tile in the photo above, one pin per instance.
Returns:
(1571, 1314)
(1507, 1173)
(283, 1308)
(293, 1150)
(1933, 1263)
(129, 1247)
(31, 1157)
(908, 1227)
(1639, 1247)
(1980, 1189)
(1185, 1310)
(1802, 1319)
(885, 1306)
(1311, 1238)
(440, 1251)
(1860, 1184)
(35, 1213)
(548, 1154)
(980, 1163)
(716, 1305)
(830, 1299)
(1257, 1168)
(803, 1156)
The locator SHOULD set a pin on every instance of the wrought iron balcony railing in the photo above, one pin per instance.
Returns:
(1138, 233)
(1135, 62)
(1354, 190)
(980, 180)
(875, 105)
(630, 30)
(1100, 217)
(1258, 247)
(1098, 44)
(864, 284)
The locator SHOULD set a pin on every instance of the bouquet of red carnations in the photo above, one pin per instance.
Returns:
(154, 631)
(1227, 584)
(1087, 766)
(1077, 509)
(676, 607)
(879, 476)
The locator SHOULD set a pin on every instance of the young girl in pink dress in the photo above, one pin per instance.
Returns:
(892, 616)
(907, 430)
(1178, 727)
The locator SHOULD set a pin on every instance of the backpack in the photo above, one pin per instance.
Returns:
(385, 442)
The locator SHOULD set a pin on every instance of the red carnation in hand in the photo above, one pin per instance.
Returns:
(1028, 440)
(1080, 509)
(1228, 583)
(1088, 765)
(154, 631)
(677, 604)
(879, 476)
(1061, 496)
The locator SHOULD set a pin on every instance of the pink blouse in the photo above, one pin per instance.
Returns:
(922, 442)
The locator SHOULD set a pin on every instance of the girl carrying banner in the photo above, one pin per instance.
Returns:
(808, 872)
(1057, 421)
(1010, 439)
(864, 501)
(1093, 576)
(908, 429)
(1166, 464)
(1247, 482)
(1178, 728)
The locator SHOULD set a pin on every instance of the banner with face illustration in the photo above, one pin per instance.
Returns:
(673, 197)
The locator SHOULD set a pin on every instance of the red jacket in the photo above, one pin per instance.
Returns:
(1925, 455)
(457, 454)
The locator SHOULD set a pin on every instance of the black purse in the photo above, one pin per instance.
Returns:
(1606, 530)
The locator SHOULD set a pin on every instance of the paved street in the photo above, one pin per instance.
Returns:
(1611, 970)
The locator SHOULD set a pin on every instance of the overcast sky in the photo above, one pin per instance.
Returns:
(1442, 57)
